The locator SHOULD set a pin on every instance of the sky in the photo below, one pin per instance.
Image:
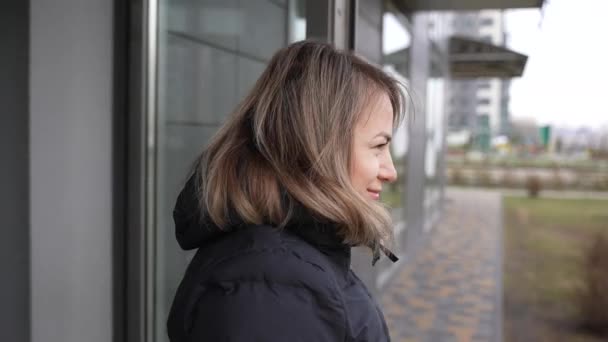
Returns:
(395, 37)
(565, 82)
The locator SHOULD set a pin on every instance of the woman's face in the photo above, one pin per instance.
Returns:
(371, 163)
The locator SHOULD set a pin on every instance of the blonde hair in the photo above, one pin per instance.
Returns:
(289, 141)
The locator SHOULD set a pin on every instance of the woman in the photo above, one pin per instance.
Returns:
(283, 191)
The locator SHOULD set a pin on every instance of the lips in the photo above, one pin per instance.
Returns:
(374, 194)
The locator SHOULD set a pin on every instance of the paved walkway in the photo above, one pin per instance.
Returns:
(452, 290)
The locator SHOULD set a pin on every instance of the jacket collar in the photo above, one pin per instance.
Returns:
(324, 235)
(193, 228)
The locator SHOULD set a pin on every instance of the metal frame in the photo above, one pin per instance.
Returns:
(340, 23)
(134, 166)
(150, 79)
(469, 5)
(337, 27)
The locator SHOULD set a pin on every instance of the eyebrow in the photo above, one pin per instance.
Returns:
(385, 135)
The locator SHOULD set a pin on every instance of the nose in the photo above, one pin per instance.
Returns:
(387, 170)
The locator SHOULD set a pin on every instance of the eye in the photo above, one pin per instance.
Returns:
(379, 146)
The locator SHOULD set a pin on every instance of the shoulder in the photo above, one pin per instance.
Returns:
(266, 253)
(258, 284)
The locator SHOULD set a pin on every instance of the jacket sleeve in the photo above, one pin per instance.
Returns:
(257, 310)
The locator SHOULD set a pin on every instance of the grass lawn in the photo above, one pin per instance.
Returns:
(545, 240)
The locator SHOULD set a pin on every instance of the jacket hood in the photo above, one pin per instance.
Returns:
(194, 228)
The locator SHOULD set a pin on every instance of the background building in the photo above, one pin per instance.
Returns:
(106, 103)
(479, 108)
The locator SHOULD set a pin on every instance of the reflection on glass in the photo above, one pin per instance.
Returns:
(396, 40)
(395, 36)
(297, 20)
(435, 98)
(210, 54)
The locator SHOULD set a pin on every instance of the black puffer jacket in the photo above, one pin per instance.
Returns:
(258, 283)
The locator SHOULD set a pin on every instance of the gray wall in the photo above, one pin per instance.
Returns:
(71, 171)
(14, 180)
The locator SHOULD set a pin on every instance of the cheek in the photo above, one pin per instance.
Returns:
(364, 170)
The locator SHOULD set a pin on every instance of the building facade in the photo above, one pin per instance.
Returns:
(106, 105)
(479, 107)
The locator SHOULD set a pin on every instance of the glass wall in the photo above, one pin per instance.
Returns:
(210, 53)
(396, 41)
(435, 109)
(435, 98)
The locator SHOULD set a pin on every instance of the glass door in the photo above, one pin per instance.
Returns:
(200, 58)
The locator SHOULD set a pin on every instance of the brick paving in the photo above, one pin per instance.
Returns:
(452, 289)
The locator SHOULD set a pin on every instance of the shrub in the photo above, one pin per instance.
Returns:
(600, 183)
(483, 178)
(508, 179)
(457, 177)
(533, 186)
(593, 299)
(556, 181)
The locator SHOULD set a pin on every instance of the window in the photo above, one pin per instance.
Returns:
(396, 42)
(486, 38)
(483, 85)
(486, 21)
(210, 55)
